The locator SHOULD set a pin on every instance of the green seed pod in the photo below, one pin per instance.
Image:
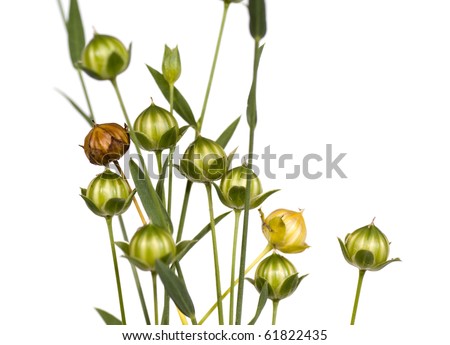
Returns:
(171, 66)
(280, 275)
(149, 244)
(156, 129)
(107, 195)
(106, 143)
(367, 248)
(233, 186)
(204, 161)
(105, 57)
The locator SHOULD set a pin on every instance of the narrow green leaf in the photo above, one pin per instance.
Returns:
(220, 194)
(384, 264)
(256, 202)
(261, 303)
(251, 103)
(176, 289)
(75, 32)
(257, 11)
(124, 246)
(77, 108)
(150, 200)
(345, 252)
(228, 133)
(169, 138)
(230, 158)
(160, 184)
(200, 235)
(180, 105)
(108, 318)
(182, 248)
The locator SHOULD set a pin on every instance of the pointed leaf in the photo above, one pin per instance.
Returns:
(384, 264)
(176, 289)
(251, 103)
(108, 318)
(182, 248)
(230, 158)
(264, 294)
(137, 262)
(160, 184)
(143, 140)
(75, 32)
(256, 202)
(77, 108)
(114, 206)
(345, 252)
(182, 131)
(237, 195)
(200, 235)
(92, 206)
(124, 246)
(289, 285)
(150, 200)
(169, 138)
(220, 195)
(228, 133)
(180, 105)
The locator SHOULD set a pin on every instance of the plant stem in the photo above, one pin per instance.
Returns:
(135, 202)
(358, 291)
(86, 95)
(216, 255)
(267, 249)
(237, 216)
(61, 11)
(158, 155)
(170, 158)
(135, 276)
(274, 312)
(240, 297)
(213, 67)
(116, 268)
(187, 193)
(155, 296)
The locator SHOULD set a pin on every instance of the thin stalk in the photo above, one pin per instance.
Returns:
(358, 291)
(135, 202)
(213, 67)
(86, 95)
(170, 158)
(274, 312)
(187, 193)
(135, 275)
(155, 296)
(248, 269)
(215, 253)
(158, 155)
(61, 11)
(237, 216)
(240, 296)
(116, 268)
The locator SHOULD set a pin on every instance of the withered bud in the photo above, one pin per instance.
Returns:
(106, 143)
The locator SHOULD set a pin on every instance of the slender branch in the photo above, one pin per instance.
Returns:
(187, 193)
(215, 253)
(136, 204)
(155, 296)
(116, 268)
(274, 312)
(237, 216)
(240, 296)
(86, 95)
(213, 67)
(267, 249)
(135, 276)
(358, 291)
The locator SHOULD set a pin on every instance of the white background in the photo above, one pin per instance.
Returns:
(372, 78)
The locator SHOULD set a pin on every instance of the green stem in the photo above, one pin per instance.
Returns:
(274, 312)
(171, 89)
(358, 291)
(267, 249)
(240, 297)
(86, 95)
(116, 268)
(155, 296)
(158, 155)
(61, 11)
(187, 193)
(213, 67)
(135, 276)
(169, 192)
(215, 252)
(237, 215)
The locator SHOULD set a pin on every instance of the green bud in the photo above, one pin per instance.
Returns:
(367, 248)
(280, 275)
(149, 244)
(171, 66)
(204, 161)
(233, 186)
(105, 57)
(107, 195)
(156, 129)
